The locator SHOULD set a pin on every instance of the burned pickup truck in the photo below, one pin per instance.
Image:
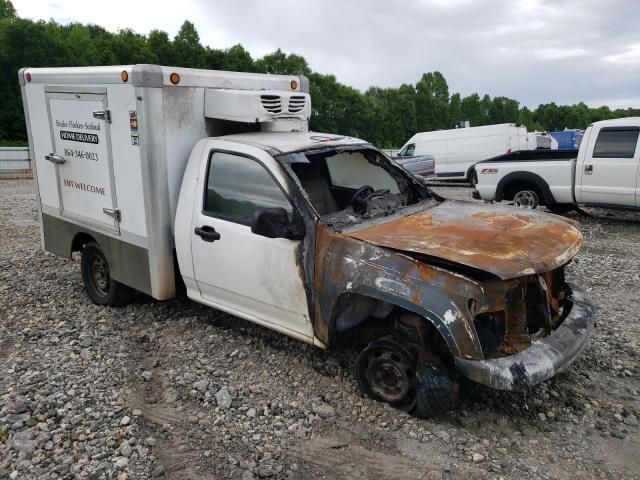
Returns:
(440, 288)
(164, 177)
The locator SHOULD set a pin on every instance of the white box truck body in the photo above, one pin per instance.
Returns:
(161, 176)
(457, 150)
(109, 155)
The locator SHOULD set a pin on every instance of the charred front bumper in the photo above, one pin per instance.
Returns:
(544, 358)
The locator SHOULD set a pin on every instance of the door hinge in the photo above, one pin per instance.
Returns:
(103, 115)
(113, 212)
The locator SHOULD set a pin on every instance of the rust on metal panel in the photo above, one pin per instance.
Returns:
(345, 265)
(506, 242)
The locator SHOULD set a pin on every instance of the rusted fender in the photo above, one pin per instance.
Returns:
(544, 358)
(505, 241)
(346, 265)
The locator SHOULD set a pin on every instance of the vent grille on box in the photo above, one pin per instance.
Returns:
(271, 103)
(296, 103)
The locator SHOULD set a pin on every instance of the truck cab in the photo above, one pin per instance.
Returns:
(608, 164)
(322, 238)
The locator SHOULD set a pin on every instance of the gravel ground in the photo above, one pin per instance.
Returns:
(175, 390)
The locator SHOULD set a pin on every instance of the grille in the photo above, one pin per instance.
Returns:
(296, 103)
(271, 103)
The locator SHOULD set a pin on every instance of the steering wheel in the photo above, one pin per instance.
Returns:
(360, 195)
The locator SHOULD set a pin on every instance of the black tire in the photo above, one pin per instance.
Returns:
(560, 208)
(473, 178)
(96, 276)
(387, 354)
(436, 390)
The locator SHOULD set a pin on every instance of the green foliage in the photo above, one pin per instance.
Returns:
(237, 59)
(280, 63)
(385, 116)
(188, 50)
(7, 11)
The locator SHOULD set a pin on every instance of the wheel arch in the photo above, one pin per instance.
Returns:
(514, 178)
(470, 172)
(80, 240)
(374, 297)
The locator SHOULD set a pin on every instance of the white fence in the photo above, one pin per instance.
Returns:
(14, 159)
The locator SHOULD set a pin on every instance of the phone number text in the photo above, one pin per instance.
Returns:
(70, 152)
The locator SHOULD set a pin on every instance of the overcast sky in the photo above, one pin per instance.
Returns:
(535, 51)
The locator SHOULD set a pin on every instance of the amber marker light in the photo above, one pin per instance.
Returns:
(124, 76)
(174, 78)
(294, 84)
(27, 76)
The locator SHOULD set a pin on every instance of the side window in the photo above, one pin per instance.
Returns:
(408, 151)
(616, 143)
(237, 186)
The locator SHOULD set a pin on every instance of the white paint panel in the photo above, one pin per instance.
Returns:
(456, 150)
(245, 272)
(184, 124)
(126, 160)
(611, 181)
(42, 145)
(557, 174)
(85, 179)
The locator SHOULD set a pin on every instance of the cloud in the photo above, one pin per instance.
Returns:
(535, 51)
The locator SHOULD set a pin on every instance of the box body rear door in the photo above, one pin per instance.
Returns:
(82, 153)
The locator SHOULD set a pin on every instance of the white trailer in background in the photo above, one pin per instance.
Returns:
(457, 150)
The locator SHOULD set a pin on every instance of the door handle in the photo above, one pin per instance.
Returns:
(207, 233)
(588, 169)
(52, 157)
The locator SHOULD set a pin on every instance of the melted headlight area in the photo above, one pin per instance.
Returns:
(522, 311)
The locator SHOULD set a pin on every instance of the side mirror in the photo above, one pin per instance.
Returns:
(274, 223)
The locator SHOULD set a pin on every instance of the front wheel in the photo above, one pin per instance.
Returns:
(526, 199)
(436, 390)
(473, 178)
(389, 371)
(96, 276)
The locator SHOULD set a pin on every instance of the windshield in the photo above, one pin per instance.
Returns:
(408, 150)
(348, 185)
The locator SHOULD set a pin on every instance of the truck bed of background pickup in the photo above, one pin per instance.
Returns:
(550, 173)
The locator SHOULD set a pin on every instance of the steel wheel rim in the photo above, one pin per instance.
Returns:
(525, 199)
(100, 277)
(389, 375)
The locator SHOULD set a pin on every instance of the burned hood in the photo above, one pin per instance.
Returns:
(505, 241)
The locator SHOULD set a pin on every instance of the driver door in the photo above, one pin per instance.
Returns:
(249, 275)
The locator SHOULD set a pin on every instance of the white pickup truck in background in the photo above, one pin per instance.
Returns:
(602, 173)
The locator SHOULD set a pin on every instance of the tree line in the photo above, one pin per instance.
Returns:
(385, 116)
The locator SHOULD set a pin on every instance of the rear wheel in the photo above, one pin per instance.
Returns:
(98, 283)
(526, 199)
